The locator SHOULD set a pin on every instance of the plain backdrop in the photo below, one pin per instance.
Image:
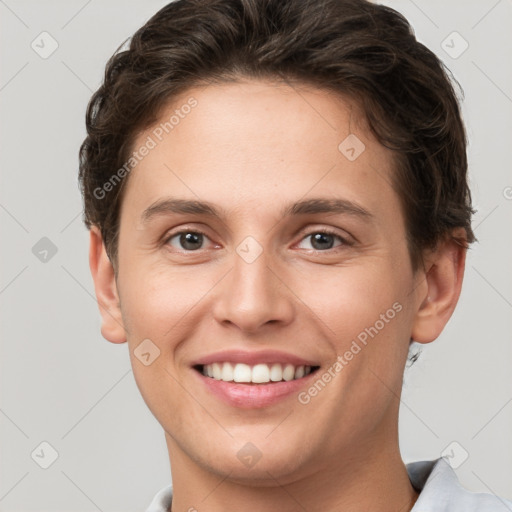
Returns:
(64, 386)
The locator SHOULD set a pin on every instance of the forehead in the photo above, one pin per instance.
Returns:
(252, 144)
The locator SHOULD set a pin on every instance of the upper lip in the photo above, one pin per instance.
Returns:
(253, 358)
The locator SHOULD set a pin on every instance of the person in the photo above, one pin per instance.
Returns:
(278, 205)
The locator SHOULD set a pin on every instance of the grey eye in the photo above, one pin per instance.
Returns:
(188, 240)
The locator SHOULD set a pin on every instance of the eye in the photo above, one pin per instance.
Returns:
(187, 240)
(192, 240)
(323, 240)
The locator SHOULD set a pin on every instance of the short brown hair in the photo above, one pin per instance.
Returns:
(364, 51)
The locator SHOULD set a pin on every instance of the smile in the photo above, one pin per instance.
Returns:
(255, 374)
(245, 386)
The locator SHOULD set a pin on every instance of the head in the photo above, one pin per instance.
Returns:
(284, 120)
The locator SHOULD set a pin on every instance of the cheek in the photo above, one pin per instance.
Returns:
(350, 299)
(366, 321)
(157, 302)
(157, 307)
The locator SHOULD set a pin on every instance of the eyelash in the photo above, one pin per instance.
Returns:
(325, 231)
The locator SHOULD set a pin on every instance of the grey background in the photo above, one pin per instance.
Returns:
(63, 384)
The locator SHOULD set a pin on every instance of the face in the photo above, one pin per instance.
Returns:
(291, 269)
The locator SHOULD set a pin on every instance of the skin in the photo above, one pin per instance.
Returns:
(250, 148)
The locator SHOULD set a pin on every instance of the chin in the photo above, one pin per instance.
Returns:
(269, 466)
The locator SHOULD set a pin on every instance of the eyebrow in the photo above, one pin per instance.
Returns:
(308, 206)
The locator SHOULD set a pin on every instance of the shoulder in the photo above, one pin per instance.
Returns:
(441, 491)
(161, 501)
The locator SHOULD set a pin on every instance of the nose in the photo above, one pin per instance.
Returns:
(254, 295)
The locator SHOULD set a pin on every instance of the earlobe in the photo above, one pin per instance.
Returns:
(112, 328)
(444, 283)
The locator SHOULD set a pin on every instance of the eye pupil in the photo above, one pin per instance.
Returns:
(190, 238)
(321, 237)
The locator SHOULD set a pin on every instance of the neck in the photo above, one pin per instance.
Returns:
(350, 483)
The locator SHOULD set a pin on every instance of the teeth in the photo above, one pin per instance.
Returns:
(289, 372)
(276, 373)
(217, 370)
(227, 372)
(242, 373)
(258, 374)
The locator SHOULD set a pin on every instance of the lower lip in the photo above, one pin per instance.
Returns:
(253, 396)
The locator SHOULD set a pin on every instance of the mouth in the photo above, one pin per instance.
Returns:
(254, 386)
(261, 373)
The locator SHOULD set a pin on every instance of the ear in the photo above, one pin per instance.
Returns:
(112, 328)
(443, 281)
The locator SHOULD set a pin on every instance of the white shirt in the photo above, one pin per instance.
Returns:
(437, 484)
